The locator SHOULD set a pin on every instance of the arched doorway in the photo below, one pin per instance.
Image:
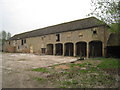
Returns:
(95, 48)
(81, 49)
(58, 49)
(49, 49)
(69, 49)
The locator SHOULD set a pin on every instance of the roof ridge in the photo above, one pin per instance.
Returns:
(62, 27)
(57, 25)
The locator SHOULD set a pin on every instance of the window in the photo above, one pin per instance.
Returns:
(57, 37)
(9, 42)
(22, 42)
(94, 32)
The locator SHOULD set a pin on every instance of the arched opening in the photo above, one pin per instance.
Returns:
(81, 49)
(58, 49)
(69, 49)
(49, 49)
(95, 48)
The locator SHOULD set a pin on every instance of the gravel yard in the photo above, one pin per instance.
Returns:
(16, 68)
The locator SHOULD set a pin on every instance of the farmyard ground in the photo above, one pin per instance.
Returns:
(35, 71)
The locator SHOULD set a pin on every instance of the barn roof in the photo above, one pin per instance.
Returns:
(64, 27)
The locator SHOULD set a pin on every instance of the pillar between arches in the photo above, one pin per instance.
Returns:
(87, 50)
(74, 49)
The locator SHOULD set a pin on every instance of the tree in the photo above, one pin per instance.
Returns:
(3, 37)
(4, 34)
(8, 35)
(108, 11)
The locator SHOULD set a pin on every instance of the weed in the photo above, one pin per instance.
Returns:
(39, 79)
(44, 70)
(65, 72)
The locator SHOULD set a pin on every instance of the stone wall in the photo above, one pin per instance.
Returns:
(35, 44)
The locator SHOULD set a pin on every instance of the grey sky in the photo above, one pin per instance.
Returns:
(18, 16)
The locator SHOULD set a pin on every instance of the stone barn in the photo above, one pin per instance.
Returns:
(85, 37)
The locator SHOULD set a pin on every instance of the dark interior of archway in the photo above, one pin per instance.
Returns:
(113, 51)
(59, 49)
(81, 49)
(69, 49)
(95, 49)
(50, 49)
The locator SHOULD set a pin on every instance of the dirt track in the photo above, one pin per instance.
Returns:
(17, 68)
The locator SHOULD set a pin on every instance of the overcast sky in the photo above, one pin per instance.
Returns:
(17, 16)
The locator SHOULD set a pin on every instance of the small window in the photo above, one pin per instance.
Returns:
(24, 40)
(9, 42)
(94, 32)
(57, 37)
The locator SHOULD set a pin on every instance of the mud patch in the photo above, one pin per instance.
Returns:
(62, 67)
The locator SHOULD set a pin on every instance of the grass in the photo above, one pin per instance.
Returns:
(40, 79)
(44, 70)
(72, 82)
(80, 65)
(65, 72)
(109, 63)
(76, 77)
(83, 71)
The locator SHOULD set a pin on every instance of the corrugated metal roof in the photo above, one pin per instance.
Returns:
(64, 27)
